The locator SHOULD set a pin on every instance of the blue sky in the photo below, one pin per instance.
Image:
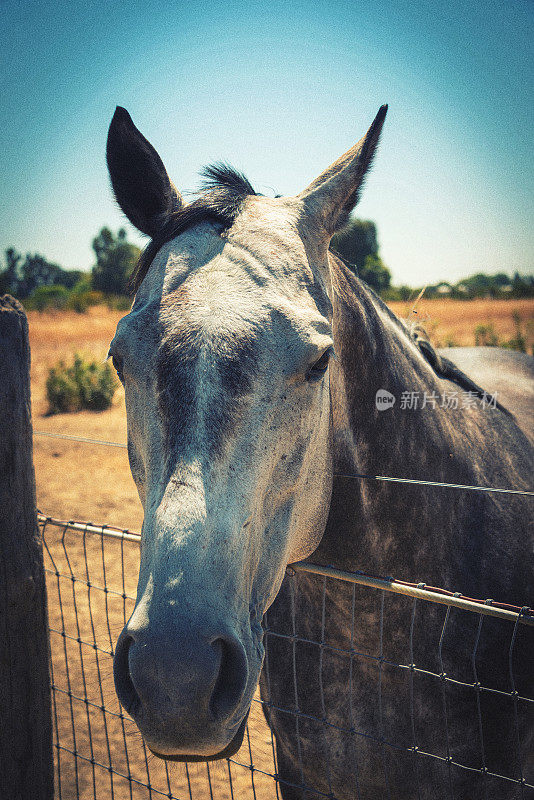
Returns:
(280, 90)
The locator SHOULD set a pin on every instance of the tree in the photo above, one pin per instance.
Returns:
(357, 244)
(22, 277)
(9, 275)
(375, 273)
(115, 260)
(36, 272)
(522, 285)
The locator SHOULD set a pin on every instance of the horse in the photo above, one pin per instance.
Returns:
(252, 360)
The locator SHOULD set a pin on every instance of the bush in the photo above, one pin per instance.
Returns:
(81, 300)
(81, 296)
(78, 301)
(486, 336)
(83, 385)
(118, 302)
(396, 293)
(519, 341)
(47, 297)
(58, 298)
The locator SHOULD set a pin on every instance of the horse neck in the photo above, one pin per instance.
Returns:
(370, 521)
(376, 352)
(402, 529)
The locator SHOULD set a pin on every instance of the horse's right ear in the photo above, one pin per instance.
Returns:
(330, 198)
(139, 179)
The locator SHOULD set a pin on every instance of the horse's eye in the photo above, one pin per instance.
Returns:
(117, 363)
(317, 371)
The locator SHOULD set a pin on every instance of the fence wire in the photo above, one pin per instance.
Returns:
(386, 478)
(330, 682)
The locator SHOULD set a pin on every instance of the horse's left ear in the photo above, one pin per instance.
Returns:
(332, 196)
(142, 187)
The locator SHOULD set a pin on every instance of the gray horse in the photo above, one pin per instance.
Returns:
(253, 362)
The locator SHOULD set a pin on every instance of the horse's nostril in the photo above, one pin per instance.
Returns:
(231, 680)
(124, 686)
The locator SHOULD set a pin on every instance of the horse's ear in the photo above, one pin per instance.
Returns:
(332, 196)
(139, 179)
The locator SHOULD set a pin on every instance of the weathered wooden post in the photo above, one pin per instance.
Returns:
(26, 764)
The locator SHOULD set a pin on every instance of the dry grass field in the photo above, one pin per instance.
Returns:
(89, 482)
(452, 323)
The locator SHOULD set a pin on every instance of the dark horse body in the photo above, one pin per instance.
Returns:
(251, 360)
(478, 543)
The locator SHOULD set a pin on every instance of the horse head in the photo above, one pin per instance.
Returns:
(225, 359)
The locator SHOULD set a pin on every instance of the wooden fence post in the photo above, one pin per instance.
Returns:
(26, 763)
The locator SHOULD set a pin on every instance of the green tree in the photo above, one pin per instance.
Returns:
(36, 272)
(498, 285)
(115, 260)
(375, 273)
(8, 276)
(357, 244)
(23, 277)
(522, 285)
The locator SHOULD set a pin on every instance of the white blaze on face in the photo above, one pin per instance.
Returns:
(229, 433)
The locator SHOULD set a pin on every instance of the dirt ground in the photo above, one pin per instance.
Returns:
(88, 482)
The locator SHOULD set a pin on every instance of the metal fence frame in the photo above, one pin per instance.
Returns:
(514, 615)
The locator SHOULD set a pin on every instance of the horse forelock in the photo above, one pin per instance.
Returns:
(221, 199)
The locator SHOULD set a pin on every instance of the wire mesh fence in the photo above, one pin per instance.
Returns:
(91, 577)
(91, 581)
(439, 706)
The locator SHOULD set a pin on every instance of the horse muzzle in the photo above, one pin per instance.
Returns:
(189, 693)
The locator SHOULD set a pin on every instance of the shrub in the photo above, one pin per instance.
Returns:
(486, 336)
(519, 341)
(78, 301)
(82, 295)
(81, 300)
(47, 297)
(396, 293)
(83, 385)
(61, 390)
(118, 302)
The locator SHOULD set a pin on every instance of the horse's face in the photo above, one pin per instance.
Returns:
(226, 380)
(225, 361)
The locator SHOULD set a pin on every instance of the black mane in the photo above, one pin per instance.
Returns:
(223, 177)
(222, 192)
